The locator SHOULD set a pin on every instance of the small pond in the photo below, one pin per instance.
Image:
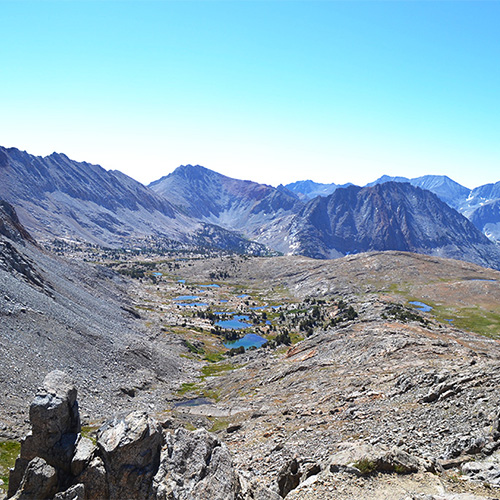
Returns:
(421, 306)
(234, 323)
(194, 402)
(157, 274)
(181, 281)
(249, 340)
(258, 308)
(210, 286)
(243, 296)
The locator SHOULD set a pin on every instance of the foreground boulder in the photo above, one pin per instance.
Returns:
(132, 458)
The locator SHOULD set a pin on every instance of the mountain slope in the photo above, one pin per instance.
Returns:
(451, 192)
(58, 313)
(58, 197)
(388, 216)
(486, 218)
(484, 194)
(258, 211)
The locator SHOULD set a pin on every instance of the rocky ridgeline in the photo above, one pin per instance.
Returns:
(132, 458)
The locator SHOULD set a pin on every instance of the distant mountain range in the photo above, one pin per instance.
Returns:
(57, 198)
(307, 190)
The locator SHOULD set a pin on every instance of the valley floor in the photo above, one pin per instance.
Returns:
(357, 393)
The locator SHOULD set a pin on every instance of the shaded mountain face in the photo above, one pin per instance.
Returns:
(258, 211)
(388, 216)
(12, 260)
(60, 198)
(455, 195)
(451, 192)
(479, 205)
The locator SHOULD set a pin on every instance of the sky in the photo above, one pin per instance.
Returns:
(272, 91)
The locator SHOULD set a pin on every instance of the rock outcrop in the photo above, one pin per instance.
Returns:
(48, 449)
(130, 449)
(132, 458)
(200, 463)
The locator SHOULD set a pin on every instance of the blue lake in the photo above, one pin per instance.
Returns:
(210, 286)
(242, 296)
(191, 304)
(258, 308)
(157, 274)
(223, 300)
(181, 281)
(187, 297)
(421, 306)
(234, 323)
(249, 340)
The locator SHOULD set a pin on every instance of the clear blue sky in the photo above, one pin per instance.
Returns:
(273, 91)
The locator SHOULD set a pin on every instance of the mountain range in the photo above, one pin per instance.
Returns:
(58, 198)
(481, 205)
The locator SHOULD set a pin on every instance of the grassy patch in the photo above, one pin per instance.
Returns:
(214, 357)
(479, 321)
(218, 424)
(197, 391)
(212, 370)
(9, 451)
(212, 394)
(194, 349)
(187, 387)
